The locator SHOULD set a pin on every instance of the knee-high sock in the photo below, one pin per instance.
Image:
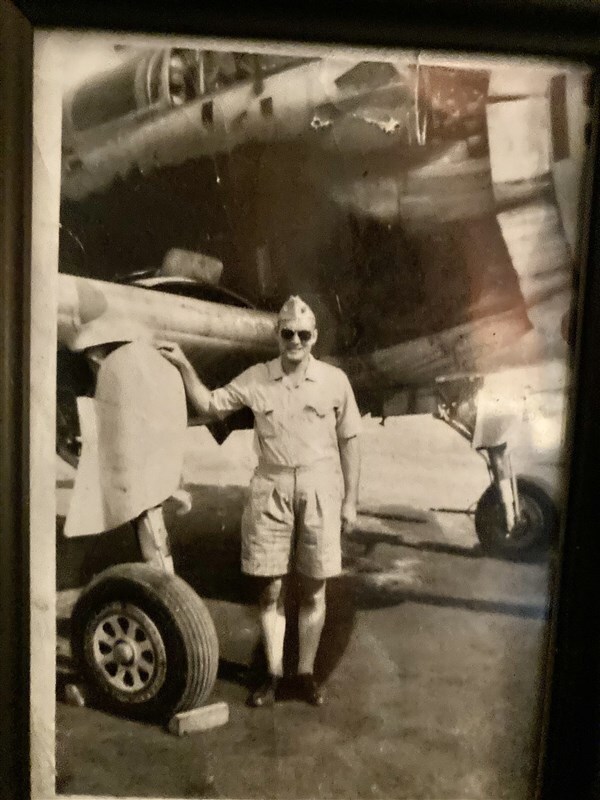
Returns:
(272, 620)
(311, 618)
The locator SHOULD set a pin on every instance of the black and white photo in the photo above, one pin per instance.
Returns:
(314, 312)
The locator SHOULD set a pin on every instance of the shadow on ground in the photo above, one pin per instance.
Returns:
(206, 551)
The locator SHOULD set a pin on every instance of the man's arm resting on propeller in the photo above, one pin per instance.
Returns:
(197, 393)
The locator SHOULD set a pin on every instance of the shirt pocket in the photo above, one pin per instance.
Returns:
(265, 419)
(315, 415)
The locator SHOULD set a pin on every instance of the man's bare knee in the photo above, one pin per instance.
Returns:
(271, 592)
(312, 591)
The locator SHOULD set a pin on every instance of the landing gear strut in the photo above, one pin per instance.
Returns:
(515, 518)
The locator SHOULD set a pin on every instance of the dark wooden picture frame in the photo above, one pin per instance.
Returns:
(571, 758)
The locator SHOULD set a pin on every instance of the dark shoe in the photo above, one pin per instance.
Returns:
(309, 690)
(266, 694)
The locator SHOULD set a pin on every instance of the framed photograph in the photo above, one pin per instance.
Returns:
(299, 403)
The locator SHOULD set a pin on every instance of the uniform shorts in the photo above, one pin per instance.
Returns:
(292, 522)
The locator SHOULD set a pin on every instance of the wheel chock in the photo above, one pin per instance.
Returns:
(199, 719)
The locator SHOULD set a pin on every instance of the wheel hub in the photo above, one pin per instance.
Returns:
(523, 526)
(124, 654)
(128, 652)
(518, 529)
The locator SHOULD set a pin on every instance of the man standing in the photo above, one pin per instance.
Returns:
(306, 427)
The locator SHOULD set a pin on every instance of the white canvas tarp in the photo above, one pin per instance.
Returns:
(133, 437)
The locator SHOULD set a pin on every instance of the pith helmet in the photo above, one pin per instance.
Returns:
(109, 330)
(295, 308)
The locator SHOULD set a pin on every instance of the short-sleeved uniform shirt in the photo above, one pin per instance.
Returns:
(292, 519)
(298, 421)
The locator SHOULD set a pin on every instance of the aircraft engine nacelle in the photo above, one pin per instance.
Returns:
(220, 340)
(150, 82)
(209, 332)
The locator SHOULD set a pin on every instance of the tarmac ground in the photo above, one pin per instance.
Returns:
(432, 656)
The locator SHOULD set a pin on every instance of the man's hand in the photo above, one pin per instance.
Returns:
(174, 354)
(348, 517)
(350, 461)
(196, 392)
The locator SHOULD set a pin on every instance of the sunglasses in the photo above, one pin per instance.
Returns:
(288, 334)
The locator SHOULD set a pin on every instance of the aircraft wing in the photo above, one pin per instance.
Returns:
(426, 209)
(416, 204)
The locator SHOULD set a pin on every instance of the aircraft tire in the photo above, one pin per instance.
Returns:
(145, 643)
(533, 535)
